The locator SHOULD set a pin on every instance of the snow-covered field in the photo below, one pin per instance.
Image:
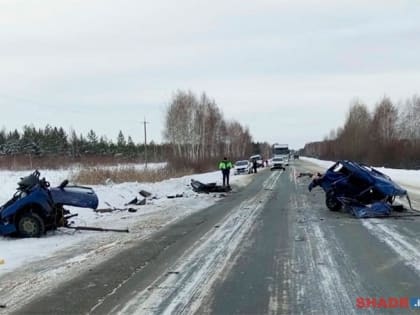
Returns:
(158, 211)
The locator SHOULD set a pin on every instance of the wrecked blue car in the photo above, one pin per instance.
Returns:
(36, 207)
(359, 189)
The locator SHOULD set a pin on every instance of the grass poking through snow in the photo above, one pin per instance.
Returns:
(98, 175)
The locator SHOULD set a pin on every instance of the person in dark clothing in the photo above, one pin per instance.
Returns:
(225, 165)
(254, 165)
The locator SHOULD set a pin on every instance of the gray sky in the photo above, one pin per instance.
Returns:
(286, 69)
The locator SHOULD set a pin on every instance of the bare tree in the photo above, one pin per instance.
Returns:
(353, 140)
(384, 132)
(178, 124)
(409, 119)
(198, 132)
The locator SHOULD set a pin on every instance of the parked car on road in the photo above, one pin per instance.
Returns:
(242, 167)
(278, 163)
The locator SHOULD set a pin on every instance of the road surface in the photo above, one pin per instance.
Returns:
(270, 248)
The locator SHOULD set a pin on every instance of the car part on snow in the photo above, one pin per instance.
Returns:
(107, 210)
(199, 187)
(175, 196)
(36, 207)
(332, 202)
(30, 225)
(111, 208)
(145, 193)
(99, 229)
(363, 191)
(136, 202)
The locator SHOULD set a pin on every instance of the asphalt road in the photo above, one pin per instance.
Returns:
(270, 248)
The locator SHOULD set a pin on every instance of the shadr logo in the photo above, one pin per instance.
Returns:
(381, 302)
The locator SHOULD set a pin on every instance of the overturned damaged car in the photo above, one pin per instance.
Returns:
(36, 207)
(362, 190)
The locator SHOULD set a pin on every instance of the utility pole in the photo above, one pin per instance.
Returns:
(145, 141)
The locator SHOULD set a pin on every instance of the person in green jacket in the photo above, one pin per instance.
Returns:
(225, 165)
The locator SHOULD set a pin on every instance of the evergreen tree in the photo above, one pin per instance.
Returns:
(121, 143)
(131, 147)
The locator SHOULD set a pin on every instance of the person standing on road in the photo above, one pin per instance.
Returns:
(254, 165)
(225, 165)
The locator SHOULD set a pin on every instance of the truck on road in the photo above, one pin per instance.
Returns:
(281, 155)
(281, 150)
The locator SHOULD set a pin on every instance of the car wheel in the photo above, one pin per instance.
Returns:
(30, 225)
(332, 202)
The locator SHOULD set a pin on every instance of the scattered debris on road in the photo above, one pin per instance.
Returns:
(173, 272)
(305, 174)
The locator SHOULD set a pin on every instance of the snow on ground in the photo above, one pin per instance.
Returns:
(63, 252)
(158, 211)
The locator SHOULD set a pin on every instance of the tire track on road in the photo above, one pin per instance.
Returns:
(189, 279)
(323, 280)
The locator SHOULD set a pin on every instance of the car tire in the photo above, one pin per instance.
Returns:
(332, 202)
(30, 225)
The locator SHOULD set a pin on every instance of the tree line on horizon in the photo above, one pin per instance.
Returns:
(388, 136)
(53, 147)
(54, 141)
(196, 135)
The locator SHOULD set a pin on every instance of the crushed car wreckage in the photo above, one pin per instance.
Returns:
(36, 207)
(362, 190)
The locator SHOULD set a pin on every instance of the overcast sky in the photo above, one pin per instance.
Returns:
(286, 69)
